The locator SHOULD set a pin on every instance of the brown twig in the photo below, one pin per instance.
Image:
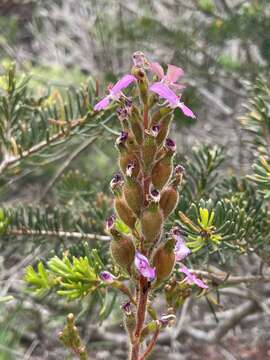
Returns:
(150, 345)
(48, 233)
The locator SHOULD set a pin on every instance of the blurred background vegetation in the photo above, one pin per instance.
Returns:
(70, 50)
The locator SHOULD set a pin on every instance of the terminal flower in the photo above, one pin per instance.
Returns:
(171, 77)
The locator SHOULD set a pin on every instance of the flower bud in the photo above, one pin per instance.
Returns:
(122, 250)
(164, 260)
(168, 200)
(129, 319)
(136, 124)
(159, 114)
(142, 82)
(106, 276)
(140, 60)
(151, 225)
(162, 170)
(133, 194)
(164, 128)
(116, 184)
(124, 212)
(126, 155)
(149, 151)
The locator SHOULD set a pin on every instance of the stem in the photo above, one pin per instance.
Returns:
(145, 117)
(150, 345)
(141, 310)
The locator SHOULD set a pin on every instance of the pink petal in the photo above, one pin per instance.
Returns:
(181, 251)
(192, 279)
(176, 87)
(164, 92)
(157, 69)
(185, 270)
(186, 110)
(200, 283)
(122, 84)
(174, 73)
(102, 104)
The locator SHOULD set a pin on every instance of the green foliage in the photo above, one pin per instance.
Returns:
(257, 117)
(72, 277)
(218, 215)
(257, 122)
(39, 127)
(201, 173)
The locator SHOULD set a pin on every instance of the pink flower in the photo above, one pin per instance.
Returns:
(174, 101)
(115, 92)
(171, 77)
(192, 279)
(143, 266)
(181, 250)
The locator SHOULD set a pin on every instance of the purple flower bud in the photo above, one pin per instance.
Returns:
(126, 307)
(166, 319)
(154, 195)
(122, 138)
(130, 168)
(116, 181)
(128, 103)
(106, 276)
(110, 222)
(139, 59)
(122, 113)
(192, 279)
(179, 170)
(170, 145)
(143, 266)
(155, 130)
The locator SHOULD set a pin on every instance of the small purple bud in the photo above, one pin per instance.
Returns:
(106, 276)
(170, 145)
(130, 168)
(128, 103)
(116, 181)
(139, 59)
(179, 170)
(154, 195)
(122, 113)
(165, 320)
(110, 222)
(143, 266)
(122, 138)
(155, 130)
(126, 307)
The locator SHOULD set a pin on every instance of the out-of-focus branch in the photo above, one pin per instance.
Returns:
(231, 280)
(65, 234)
(11, 160)
(67, 162)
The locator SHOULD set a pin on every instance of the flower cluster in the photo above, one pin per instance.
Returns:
(146, 190)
